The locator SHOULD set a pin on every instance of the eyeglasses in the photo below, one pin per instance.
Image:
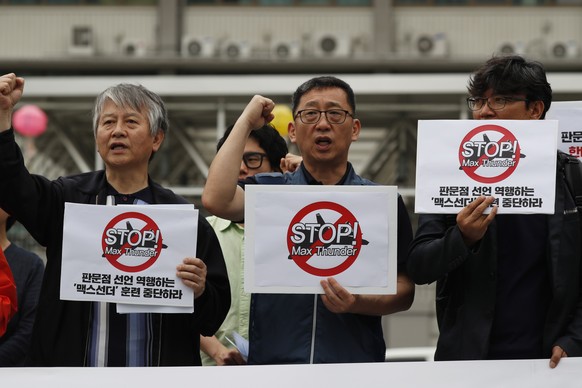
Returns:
(253, 160)
(333, 116)
(494, 103)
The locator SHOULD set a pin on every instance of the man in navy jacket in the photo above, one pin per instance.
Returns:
(336, 326)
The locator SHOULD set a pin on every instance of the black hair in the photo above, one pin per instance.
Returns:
(323, 82)
(269, 139)
(511, 75)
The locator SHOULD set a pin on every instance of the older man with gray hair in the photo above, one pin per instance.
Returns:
(130, 124)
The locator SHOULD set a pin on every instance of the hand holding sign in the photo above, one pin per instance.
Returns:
(473, 221)
(193, 274)
(336, 298)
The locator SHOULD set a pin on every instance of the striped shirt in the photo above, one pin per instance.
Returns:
(121, 339)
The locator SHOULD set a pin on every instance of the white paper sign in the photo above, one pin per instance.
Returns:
(295, 236)
(127, 254)
(123, 308)
(511, 160)
(569, 116)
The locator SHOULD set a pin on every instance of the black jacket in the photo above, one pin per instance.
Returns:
(61, 329)
(466, 281)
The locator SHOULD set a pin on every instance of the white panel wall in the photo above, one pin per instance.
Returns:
(472, 32)
(27, 32)
(478, 31)
(261, 26)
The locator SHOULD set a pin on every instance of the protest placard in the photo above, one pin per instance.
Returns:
(297, 235)
(511, 160)
(127, 254)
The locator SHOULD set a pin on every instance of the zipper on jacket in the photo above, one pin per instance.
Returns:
(103, 307)
(314, 326)
(89, 322)
(87, 338)
(159, 340)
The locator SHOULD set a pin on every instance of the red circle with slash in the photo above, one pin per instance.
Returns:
(345, 216)
(114, 256)
(506, 136)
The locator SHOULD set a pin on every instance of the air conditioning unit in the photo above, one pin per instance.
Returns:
(511, 48)
(564, 49)
(332, 45)
(198, 46)
(236, 50)
(286, 50)
(432, 45)
(133, 48)
(82, 42)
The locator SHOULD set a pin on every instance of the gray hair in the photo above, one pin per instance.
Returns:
(135, 97)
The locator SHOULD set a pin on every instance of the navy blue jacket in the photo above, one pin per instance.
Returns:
(299, 329)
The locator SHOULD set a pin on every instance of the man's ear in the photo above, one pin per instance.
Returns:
(536, 109)
(158, 140)
(356, 128)
(291, 132)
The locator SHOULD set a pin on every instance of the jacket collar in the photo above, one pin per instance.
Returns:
(95, 184)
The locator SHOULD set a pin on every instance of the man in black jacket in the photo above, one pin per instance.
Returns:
(508, 286)
(130, 123)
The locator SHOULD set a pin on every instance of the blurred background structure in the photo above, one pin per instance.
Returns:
(407, 60)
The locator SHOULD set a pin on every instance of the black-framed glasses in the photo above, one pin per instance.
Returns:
(333, 116)
(494, 103)
(253, 160)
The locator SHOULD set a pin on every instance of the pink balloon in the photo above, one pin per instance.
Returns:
(29, 121)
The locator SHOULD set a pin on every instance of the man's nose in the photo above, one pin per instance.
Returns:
(323, 122)
(119, 129)
(486, 111)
